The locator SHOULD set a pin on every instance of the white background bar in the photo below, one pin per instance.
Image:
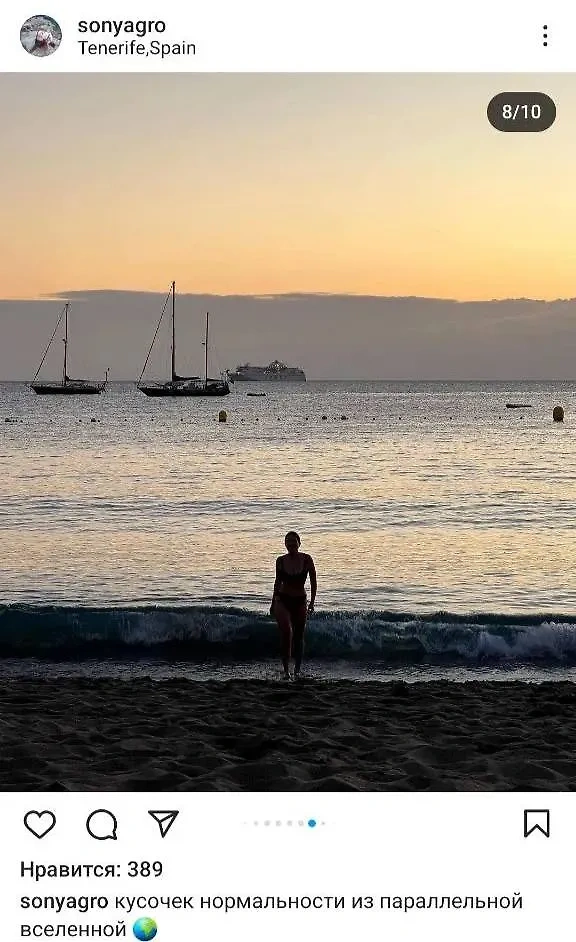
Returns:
(437, 845)
(310, 36)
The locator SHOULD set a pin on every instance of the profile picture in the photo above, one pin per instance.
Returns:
(40, 35)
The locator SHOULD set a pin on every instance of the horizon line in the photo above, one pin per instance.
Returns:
(63, 296)
(341, 380)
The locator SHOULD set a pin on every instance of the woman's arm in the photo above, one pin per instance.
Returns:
(277, 583)
(313, 582)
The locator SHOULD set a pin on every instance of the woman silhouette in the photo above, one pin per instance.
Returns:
(289, 600)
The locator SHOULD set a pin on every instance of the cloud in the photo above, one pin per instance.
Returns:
(332, 336)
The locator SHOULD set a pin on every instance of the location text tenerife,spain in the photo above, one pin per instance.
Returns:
(129, 38)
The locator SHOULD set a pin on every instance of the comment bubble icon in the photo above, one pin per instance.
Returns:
(102, 825)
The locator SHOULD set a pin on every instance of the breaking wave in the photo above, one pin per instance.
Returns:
(223, 633)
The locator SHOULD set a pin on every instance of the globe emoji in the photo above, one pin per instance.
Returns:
(145, 929)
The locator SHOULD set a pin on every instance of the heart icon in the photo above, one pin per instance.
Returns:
(39, 822)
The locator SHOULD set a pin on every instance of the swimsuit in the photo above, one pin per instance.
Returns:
(292, 603)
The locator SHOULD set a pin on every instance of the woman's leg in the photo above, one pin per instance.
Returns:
(282, 616)
(298, 627)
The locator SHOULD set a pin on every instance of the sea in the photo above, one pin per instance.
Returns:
(139, 536)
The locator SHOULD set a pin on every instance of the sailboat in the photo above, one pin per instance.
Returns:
(182, 385)
(67, 386)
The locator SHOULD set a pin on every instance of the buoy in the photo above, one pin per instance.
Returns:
(558, 414)
(222, 415)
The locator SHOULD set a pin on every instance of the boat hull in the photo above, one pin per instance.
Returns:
(176, 392)
(235, 378)
(58, 389)
(275, 372)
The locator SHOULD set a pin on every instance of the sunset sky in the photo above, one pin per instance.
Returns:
(265, 184)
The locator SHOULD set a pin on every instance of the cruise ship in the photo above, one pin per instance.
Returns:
(274, 372)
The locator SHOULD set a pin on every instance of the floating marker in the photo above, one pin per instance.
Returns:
(222, 415)
(558, 414)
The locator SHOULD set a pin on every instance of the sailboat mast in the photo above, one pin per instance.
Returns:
(173, 332)
(206, 353)
(65, 369)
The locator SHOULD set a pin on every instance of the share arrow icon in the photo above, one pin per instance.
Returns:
(164, 820)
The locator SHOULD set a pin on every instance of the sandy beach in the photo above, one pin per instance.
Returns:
(264, 736)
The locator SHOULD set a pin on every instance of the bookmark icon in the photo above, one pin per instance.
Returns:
(537, 820)
(164, 820)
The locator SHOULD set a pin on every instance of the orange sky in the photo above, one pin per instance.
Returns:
(378, 184)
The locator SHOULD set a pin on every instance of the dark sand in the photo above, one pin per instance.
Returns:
(260, 736)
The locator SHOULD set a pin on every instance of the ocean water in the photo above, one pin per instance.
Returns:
(144, 531)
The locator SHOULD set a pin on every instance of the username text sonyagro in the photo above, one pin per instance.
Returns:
(138, 28)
